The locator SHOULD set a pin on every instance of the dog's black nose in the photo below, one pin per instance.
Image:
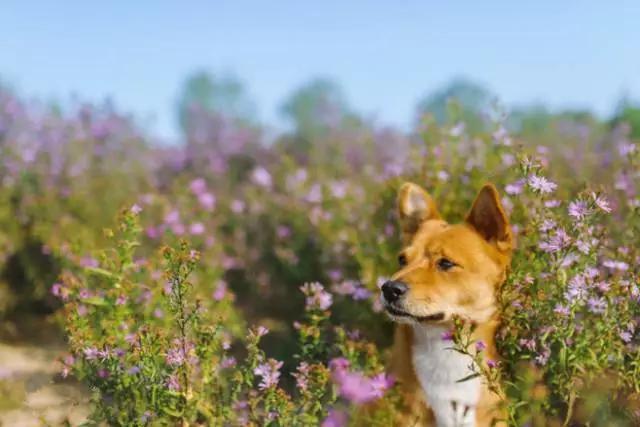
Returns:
(393, 290)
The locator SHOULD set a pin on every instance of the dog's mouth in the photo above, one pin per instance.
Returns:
(394, 311)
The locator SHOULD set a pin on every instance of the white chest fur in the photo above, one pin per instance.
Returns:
(438, 369)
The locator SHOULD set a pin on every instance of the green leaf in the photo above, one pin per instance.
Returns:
(101, 272)
(97, 301)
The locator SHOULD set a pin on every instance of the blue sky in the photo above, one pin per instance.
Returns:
(386, 55)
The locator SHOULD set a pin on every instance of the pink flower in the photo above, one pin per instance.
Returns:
(578, 209)
(261, 331)
(228, 362)
(601, 202)
(207, 201)
(269, 372)
(261, 177)
(56, 290)
(335, 418)
(196, 229)
(237, 206)
(136, 209)
(317, 297)
(514, 188)
(302, 376)
(447, 336)
(172, 217)
(172, 382)
(541, 184)
(198, 186)
(359, 389)
(221, 291)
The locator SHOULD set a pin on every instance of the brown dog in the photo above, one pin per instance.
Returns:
(445, 271)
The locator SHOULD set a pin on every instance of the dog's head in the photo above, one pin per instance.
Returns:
(447, 269)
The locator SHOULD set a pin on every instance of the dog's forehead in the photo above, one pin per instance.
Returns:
(439, 234)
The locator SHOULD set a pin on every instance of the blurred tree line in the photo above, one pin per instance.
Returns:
(320, 105)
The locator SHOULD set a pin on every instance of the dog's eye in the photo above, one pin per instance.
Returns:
(402, 260)
(445, 264)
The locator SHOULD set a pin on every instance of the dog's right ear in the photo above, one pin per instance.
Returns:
(414, 207)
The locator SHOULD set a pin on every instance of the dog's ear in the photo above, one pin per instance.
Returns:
(414, 207)
(488, 218)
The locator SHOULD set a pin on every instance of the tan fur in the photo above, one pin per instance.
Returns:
(481, 247)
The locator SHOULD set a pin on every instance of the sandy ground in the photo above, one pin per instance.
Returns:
(32, 392)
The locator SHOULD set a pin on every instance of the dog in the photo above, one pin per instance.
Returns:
(446, 271)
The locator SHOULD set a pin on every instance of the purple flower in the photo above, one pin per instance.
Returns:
(335, 418)
(543, 357)
(261, 177)
(597, 305)
(88, 261)
(261, 331)
(228, 362)
(172, 217)
(237, 206)
(136, 209)
(317, 297)
(302, 376)
(221, 291)
(562, 310)
(207, 201)
(198, 186)
(577, 289)
(152, 232)
(480, 345)
(541, 184)
(626, 336)
(56, 289)
(447, 336)
(602, 203)
(339, 364)
(91, 353)
(134, 370)
(179, 354)
(361, 293)
(121, 300)
(492, 363)
(578, 209)
(196, 229)
(515, 188)
(357, 388)
(528, 343)
(283, 232)
(547, 225)
(82, 310)
(559, 240)
(380, 383)
(269, 372)
(339, 189)
(315, 194)
(616, 265)
(172, 382)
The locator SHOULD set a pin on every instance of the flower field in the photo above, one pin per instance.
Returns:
(233, 279)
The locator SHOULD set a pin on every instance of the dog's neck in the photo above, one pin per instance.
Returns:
(439, 368)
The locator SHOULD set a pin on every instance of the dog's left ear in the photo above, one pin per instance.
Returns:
(488, 218)
(415, 206)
